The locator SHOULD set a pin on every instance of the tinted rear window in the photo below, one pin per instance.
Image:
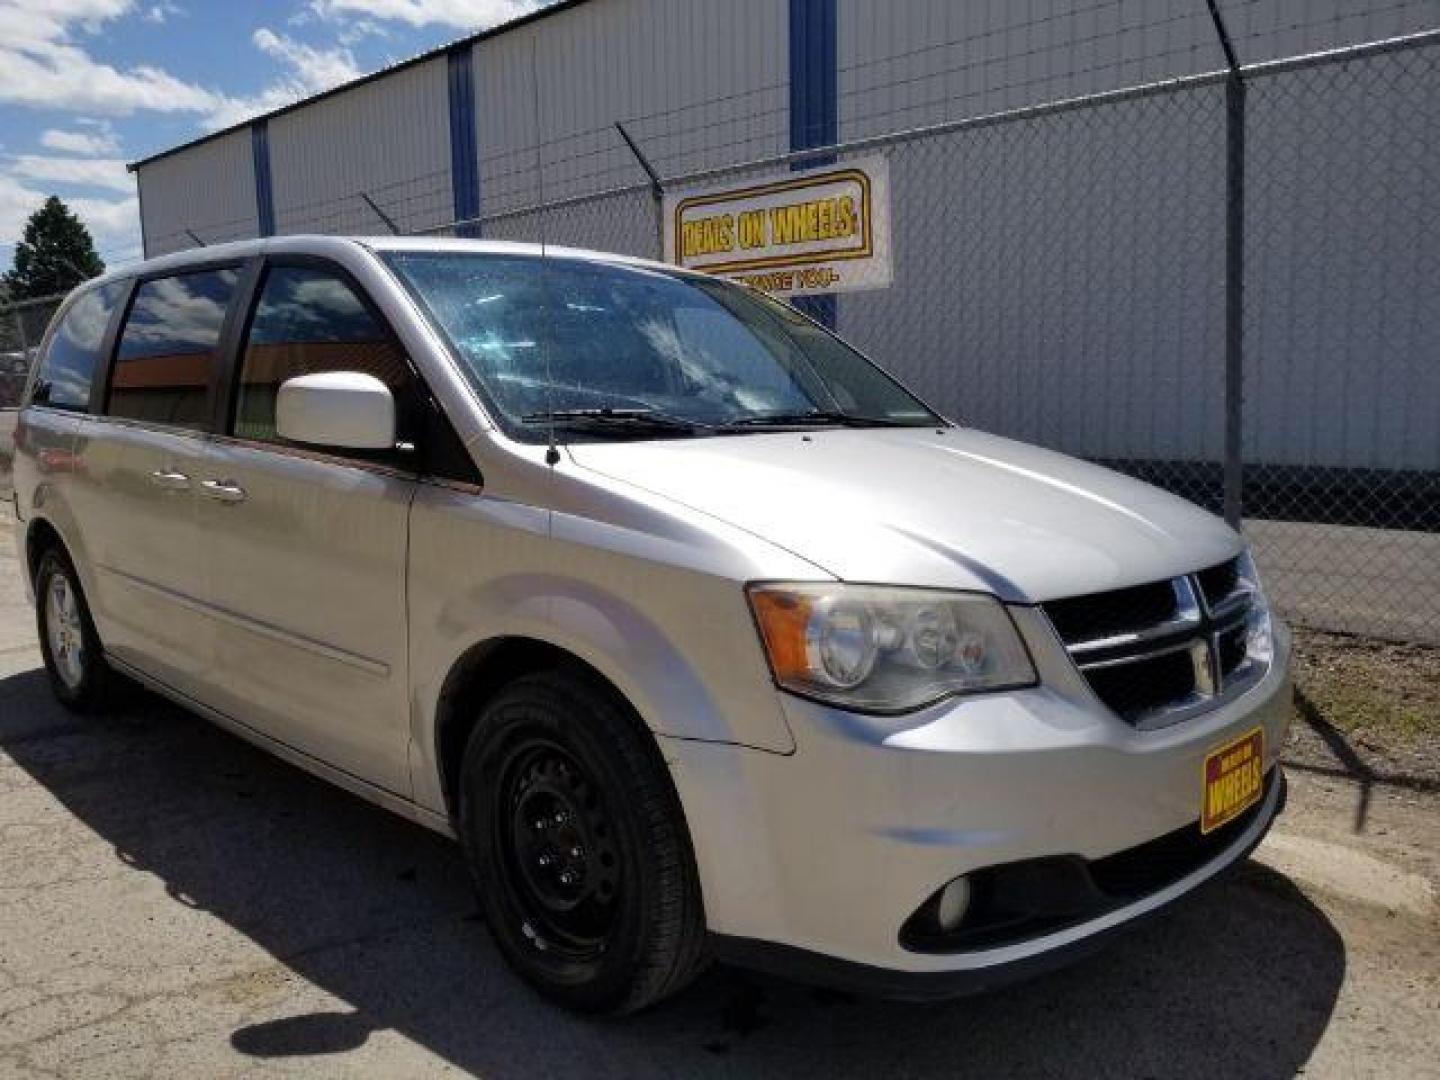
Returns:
(168, 348)
(68, 369)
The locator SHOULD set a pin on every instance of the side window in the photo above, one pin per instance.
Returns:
(68, 368)
(308, 321)
(168, 349)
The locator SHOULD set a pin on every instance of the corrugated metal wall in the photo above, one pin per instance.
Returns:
(921, 62)
(1343, 267)
(1044, 265)
(695, 82)
(913, 63)
(1041, 261)
(209, 189)
(389, 138)
(1055, 279)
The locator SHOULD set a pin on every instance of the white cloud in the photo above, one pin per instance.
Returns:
(95, 143)
(65, 77)
(42, 67)
(16, 204)
(319, 68)
(162, 12)
(114, 224)
(29, 23)
(357, 30)
(310, 71)
(461, 14)
(92, 172)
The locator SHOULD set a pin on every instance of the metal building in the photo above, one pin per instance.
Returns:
(458, 133)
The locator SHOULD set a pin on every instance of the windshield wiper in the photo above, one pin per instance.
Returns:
(815, 417)
(624, 420)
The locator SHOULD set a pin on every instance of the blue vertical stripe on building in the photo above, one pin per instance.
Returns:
(814, 103)
(814, 79)
(264, 193)
(464, 159)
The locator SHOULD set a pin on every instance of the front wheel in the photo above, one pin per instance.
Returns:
(581, 858)
(74, 659)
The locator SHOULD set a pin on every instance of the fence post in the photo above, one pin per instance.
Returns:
(15, 314)
(386, 218)
(1234, 275)
(657, 189)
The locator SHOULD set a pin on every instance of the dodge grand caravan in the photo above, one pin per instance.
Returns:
(702, 634)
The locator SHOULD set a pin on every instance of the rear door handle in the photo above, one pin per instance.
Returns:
(173, 481)
(224, 490)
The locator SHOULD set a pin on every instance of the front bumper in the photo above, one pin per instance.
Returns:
(983, 973)
(812, 863)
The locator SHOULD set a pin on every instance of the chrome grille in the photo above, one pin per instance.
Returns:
(1159, 652)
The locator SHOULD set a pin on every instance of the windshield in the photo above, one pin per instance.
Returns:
(607, 351)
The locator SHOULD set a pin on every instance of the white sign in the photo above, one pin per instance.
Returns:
(794, 234)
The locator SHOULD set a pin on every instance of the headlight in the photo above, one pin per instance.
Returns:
(1259, 639)
(884, 649)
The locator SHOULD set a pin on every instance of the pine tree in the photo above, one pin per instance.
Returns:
(55, 255)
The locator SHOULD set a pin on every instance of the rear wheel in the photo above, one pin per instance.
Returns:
(581, 858)
(74, 659)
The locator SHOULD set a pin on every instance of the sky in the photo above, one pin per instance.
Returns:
(88, 85)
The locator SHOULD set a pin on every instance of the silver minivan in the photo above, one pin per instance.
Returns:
(703, 635)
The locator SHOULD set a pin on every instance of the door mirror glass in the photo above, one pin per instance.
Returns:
(339, 409)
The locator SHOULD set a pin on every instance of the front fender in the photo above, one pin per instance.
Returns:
(677, 642)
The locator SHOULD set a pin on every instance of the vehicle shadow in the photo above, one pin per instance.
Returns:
(376, 912)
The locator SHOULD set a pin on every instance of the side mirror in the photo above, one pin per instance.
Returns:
(342, 409)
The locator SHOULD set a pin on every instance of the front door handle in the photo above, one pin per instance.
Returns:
(171, 481)
(224, 490)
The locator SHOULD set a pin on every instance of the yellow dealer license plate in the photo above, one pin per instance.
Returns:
(1234, 779)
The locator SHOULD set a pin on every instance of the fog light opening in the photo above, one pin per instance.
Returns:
(954, 902)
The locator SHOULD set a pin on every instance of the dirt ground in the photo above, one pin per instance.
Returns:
(1369, 708)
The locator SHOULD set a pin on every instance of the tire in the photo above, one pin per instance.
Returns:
(74, 659)
(561, 778)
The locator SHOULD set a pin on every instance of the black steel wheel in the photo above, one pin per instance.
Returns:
(580, 854)
(562, 870)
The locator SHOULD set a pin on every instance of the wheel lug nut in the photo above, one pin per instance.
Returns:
(567, 878)
(544, 860)
(576, 852)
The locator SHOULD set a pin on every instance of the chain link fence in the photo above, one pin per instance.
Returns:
(22, 325)
(1341, 446)
(1061, 277)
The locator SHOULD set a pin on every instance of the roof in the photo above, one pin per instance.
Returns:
(459, 43)
(326, 244)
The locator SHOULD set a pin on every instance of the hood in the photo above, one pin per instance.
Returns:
(956, 509)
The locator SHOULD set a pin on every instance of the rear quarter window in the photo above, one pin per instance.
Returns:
(67, 370)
